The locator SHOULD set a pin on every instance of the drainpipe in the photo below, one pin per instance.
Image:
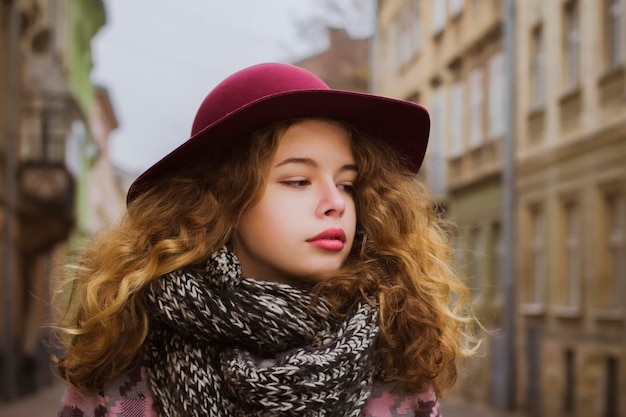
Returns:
(623, 43)
(505, 373)
(374, 70)
(10, 184)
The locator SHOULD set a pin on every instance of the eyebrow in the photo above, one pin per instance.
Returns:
(313, 163)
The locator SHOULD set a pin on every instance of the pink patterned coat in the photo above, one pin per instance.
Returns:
(130, 396)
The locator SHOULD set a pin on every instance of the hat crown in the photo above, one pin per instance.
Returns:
(250, 85)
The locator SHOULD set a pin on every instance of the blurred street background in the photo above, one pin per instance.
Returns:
(527, 157)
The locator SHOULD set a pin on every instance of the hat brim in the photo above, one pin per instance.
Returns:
(403, 125)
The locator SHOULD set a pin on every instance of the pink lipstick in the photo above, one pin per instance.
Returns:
(329, 239)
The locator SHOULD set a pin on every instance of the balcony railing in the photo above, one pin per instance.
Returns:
(45, 204)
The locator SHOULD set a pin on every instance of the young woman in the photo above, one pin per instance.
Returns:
(284, 261)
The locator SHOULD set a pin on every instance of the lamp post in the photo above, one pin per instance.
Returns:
(505, 374)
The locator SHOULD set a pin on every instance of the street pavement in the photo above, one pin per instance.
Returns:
(456, 407)
(45, 403)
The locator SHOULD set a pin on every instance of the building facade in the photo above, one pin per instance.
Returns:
(448, 57)
(571, 169)
(344, 64)
(569, 105)
(45, 93)
(106, 197)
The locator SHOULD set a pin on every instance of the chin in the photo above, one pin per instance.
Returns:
(317, 270)
(321, 274)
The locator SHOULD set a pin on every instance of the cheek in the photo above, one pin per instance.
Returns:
(351, 217)
(268, 218)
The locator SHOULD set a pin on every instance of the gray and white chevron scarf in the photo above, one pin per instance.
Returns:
(223, 345)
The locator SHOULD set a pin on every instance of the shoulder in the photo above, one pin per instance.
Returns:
(127, 395)
(388, 401)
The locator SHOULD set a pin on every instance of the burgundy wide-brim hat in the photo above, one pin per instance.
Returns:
(262, 94)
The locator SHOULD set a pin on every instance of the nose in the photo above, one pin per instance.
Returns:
(332, 201)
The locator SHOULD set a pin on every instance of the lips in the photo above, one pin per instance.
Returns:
(329, 239)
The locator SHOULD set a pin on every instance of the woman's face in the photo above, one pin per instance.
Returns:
(305, 221)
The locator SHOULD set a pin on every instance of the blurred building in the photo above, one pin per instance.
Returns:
(46, 98)
(569, 136)
(445, 59)
(106, 197)
(344, 64)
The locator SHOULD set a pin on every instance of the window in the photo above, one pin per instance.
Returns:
(496, 257)
(437, 158)
(407, 31)
(536, 258)
(393, 48)
(383, 52)
(478, 257)
(614, 275)
(614, 34)
(476, 107)
(44, 131)
(612, 382)
(459, 251)
(497, 99)
(416, 21)
(572, 252)
(404, 37)
(571, 45)
(569, 394)
(456, 119)
(568, 289)
(537, 70)
(439, 16)
(456, 7)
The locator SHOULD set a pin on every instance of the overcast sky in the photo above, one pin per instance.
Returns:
(159, 59)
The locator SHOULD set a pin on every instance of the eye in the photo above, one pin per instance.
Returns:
(295, 183)
(348, 188)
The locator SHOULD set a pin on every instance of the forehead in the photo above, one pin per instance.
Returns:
(315, 136)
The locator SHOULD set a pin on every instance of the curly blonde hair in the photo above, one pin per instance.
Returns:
(400, 260)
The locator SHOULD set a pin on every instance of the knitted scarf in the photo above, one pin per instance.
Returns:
(223, 345)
